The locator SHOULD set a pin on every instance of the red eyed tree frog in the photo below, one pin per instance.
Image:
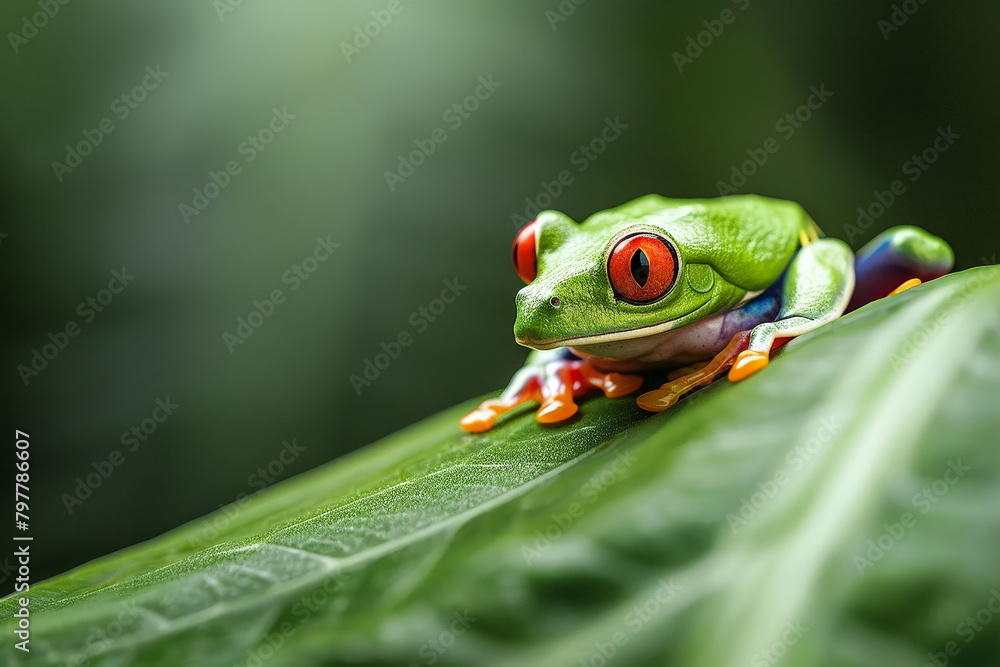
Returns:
(694, 286)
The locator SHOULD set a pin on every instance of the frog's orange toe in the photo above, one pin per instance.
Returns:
(912, 282)
(658, 400)
(482, 418)
(478, 420)
(748, 363)
(613, 385)
(618, 384)
(554, 411)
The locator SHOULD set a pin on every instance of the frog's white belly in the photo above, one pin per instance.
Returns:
(697, 341)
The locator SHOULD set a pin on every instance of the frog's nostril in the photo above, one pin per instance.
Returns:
(555, 301)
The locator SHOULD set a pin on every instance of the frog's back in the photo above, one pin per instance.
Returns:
(747, 239)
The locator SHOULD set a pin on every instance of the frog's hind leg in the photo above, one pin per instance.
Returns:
(898, 257)
(693, 377)
(816, 289)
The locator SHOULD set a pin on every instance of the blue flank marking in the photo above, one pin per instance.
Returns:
(867, 263)
(762, 308)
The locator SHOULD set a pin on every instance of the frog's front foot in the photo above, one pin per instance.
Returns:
(555, 385)
(747, 363)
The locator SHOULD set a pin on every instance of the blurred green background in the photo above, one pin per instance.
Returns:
(562, 71)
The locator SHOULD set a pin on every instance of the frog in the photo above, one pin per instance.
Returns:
(696, 289)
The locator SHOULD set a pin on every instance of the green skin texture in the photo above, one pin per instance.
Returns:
(729, 249)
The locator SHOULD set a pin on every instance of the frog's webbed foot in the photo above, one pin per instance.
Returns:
(614, 385)
(660, 399)
(555, 385)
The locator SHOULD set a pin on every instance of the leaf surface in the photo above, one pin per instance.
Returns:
(841, 507)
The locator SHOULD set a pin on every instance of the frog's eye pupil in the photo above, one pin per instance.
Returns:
(522, 253)
(642, 268)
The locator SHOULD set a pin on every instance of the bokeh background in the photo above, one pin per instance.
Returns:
(561, 71)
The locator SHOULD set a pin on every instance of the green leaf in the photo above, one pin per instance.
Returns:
(838, 508)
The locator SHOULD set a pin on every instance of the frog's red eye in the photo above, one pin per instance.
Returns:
(642, 268)
(522, 253)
